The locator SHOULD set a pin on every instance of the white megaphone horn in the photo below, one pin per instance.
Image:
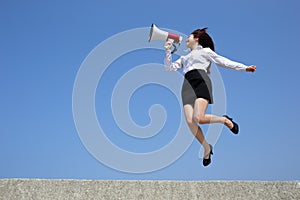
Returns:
(157, 34)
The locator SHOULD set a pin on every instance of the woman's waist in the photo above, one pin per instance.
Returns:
(195, 74)
(196, 66)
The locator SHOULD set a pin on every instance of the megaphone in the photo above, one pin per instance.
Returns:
(158, 34)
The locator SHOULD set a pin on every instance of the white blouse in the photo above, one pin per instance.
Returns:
(200, 58)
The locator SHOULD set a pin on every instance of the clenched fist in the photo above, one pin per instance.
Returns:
(251, 68)
(168, 45)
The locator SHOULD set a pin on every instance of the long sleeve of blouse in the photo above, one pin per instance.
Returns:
(200, 58)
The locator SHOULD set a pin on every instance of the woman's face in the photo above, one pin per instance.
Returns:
(191, 42)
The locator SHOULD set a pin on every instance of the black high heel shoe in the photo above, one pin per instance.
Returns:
(207, 161)
(235, 128)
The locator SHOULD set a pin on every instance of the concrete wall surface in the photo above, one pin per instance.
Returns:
(18, 189)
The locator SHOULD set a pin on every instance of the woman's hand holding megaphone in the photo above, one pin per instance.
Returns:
(168, 45)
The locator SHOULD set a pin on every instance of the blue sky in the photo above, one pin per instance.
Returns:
(43, 46)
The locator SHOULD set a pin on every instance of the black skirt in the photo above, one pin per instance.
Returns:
(196, 84)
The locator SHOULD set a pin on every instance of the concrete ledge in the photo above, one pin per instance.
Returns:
(18, 189)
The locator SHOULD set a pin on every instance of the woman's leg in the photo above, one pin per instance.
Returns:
(200, 117)
(195, 129)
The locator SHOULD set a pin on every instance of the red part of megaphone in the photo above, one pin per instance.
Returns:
(174, 37)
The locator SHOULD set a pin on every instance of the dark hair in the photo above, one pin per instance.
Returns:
(203, 38)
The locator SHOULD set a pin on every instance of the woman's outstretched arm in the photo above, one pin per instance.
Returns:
(225, 62)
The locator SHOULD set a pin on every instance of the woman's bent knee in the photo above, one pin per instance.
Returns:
(199, 119)
(196, 119)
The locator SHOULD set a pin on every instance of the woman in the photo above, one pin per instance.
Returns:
(197, 89)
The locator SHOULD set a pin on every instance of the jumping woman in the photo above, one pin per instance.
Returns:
(196, 90)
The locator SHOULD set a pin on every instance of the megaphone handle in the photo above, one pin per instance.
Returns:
(175, 48)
